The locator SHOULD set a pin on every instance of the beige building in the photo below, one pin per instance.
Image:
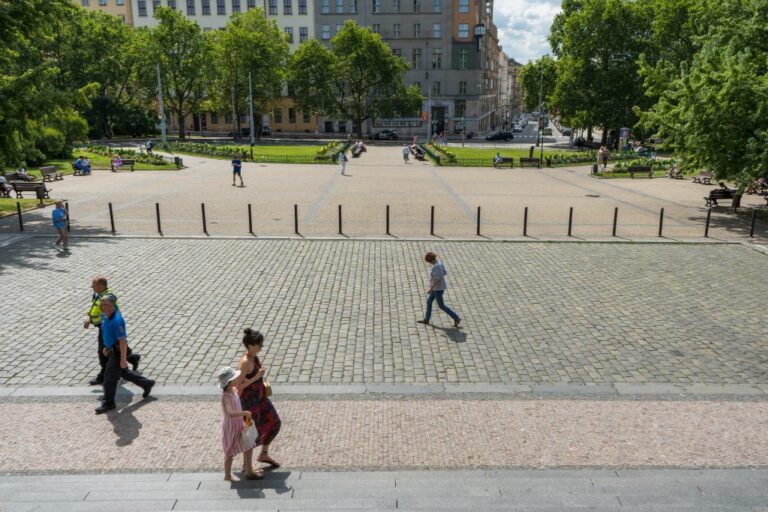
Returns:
(119, 8)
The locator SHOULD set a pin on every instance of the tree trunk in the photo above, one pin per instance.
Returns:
(181, 120)
(589, 133)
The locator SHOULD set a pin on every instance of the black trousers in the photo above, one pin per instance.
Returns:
(103, 358)
(113, 373)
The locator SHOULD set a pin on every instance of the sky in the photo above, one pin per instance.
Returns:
(523, 26)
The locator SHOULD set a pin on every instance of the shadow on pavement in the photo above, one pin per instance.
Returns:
(36, 252)
(252, 489)
(737, 224)
(124, 423)
(454, 333)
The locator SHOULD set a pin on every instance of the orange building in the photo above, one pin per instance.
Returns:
(119, 8)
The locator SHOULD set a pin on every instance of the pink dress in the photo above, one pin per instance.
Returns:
(233, 426)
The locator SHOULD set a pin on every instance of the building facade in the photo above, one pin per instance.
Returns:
(120, 8)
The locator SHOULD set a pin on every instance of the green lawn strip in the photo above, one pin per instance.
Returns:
(259, 151)
(513, 153)
(8, 206)
(97, 162)
(612, 175)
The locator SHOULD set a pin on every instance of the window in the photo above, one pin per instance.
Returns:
(463, 5)
(155, 5)
(463, 30)
(214, 118)
(437, 58)
(84, 3)
(437, 5)
(396, 30)
(462, 90)
(302, 6)
(376, 5)
(251, 4)
(142, 7)
(435, 87)
(120, 2)
(289, 34)
(171, 4)
(460, 109)
(278, 115)
(306, 116)
(102, 3)
(397, 52)
(325, 31)
(288, 7)
(463, 58)
(339, 6)
(416, 58)
(353, 6)
(417, 30)
(376, 28)
(206, 7)
(303, 34)
(416, 5)
(221, 7)
(292, 115)
(235, 6)
(325, 6)
(190, 7)
(339, 26)
(417, 84)
(227, 118)
(273, 7)
(395, 5)
(437, 30)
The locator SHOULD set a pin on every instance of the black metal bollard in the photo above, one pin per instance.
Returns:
(615, 219)
(157, 214)
(661, 221)
(388, 220)
(341, 231)
(205, 224)
(296, 219)
(525, 222)
(752, 225)
(478, 221)
(432, 221)
(21, 221)
(706, 226)
(250, 219)
(111, 218)
(570, 221)
(66, 207)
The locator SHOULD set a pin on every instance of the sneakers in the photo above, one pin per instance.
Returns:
(425, 322)
(148, 390)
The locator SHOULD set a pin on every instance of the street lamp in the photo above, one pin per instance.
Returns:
(541, 108)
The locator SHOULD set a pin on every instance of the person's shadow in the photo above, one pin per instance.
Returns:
(454, 333)
(124, 423)
(275, 480)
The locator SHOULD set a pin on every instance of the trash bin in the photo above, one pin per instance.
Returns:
(594, 169)
(40, 193)
(178, 161)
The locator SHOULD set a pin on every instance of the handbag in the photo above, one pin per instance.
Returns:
(267, 389)
(250, 434)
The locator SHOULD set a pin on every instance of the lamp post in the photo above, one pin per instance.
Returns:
(541, 108)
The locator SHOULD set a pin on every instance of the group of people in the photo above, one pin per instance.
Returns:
(83, 164)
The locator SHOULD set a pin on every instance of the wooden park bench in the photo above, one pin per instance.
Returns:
(675, 173)
(28, 186)
(504, 160)
(126, 163)
(51, 173)
(77, 171)
(704, 177)
(720, 194)
(529, 162)
(357, 151)
(640, 169)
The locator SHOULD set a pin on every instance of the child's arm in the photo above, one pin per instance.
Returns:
(233, 413)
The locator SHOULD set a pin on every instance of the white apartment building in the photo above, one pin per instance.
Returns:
(209, 14)
(296, 18)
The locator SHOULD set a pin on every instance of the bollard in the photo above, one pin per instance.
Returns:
(432, 222)
(111, 218)
(66, 207)
(388, 220)
(205, 224)
(157, 214)
(615, 219)
(661, 221)
(296, 219)
(250, 219)
(478, 221)
(752, 226)
(18, 210)
(706, 226)
(525, 222)
(341, 231)
(570, 221)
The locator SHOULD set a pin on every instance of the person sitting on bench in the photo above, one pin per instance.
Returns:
(117, 162)
(82, 166)
(4, 187)
(497, 160)
(22, 175)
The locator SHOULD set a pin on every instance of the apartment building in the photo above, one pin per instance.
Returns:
(119, 8)
(515, 88)
(296, 18)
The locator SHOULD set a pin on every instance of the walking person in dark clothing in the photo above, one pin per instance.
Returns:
(436, 290)
(116, 349)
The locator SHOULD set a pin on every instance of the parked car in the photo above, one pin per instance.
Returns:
(517, 128)
(385, 134)
(266, 130)
(505, 136)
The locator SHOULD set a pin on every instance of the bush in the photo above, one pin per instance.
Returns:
(52, 144)
(143, 158)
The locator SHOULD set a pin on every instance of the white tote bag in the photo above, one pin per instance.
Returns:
(249, 434)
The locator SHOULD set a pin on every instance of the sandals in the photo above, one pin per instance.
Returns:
(266, 459)
(254, 475)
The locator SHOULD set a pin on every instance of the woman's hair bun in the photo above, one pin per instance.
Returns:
(248, 331)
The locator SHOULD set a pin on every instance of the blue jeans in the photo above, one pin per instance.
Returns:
(438, 294)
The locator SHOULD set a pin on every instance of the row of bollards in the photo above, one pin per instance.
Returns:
(387, 220)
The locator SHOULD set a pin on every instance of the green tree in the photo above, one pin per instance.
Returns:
(358, 78)
(532, 76)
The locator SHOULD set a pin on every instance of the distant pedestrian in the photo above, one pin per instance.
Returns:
(234, 425)
(116, 350)
(342, 162)
(602, 157)
(436, 290)
(254, 396)
(237, 168)
(405, 153)
(59, 217)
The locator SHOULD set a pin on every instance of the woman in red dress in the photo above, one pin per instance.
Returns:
(254, 399)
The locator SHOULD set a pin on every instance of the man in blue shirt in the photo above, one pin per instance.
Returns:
(116, 349)
(237, 167)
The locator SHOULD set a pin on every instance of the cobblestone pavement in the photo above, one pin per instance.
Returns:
(404, 433)
(345, 311)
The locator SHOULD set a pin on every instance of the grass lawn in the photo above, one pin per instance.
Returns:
(8, 206)
(97, 162)
(514, 152)
(268, 151)
(612, 175)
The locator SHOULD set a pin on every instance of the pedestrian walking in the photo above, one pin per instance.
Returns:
(436, 290)
(101, 289)
(342, 162)
(405, 153)
(234, 425)
(254, 396)
(116, 350)
(59, 218)
(237, 168)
